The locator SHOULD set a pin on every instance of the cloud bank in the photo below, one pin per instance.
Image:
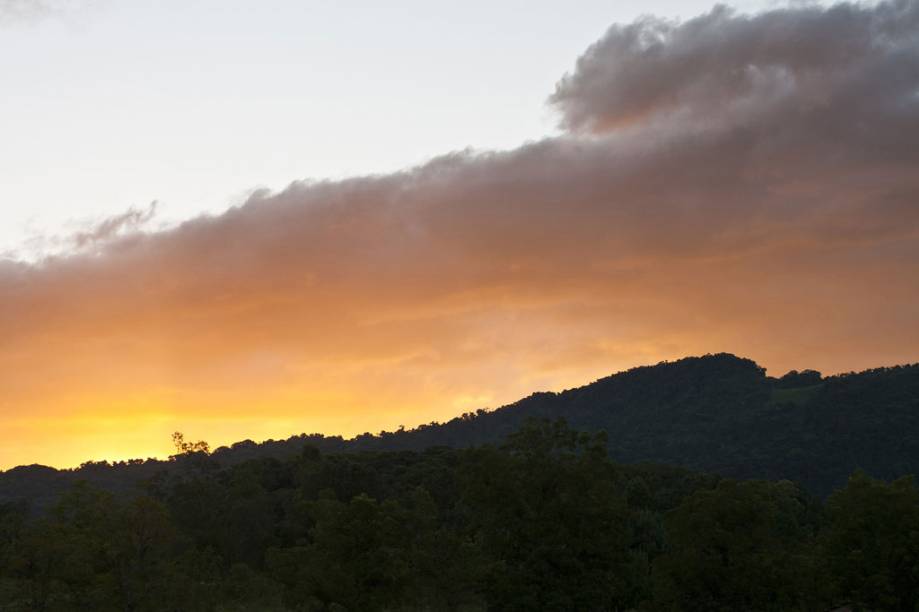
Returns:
(733, 182)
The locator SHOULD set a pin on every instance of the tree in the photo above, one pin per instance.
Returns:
(739, 546)
(184, 448)
(550, 515)
(872, 544)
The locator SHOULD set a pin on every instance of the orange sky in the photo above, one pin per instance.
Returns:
(706, 212)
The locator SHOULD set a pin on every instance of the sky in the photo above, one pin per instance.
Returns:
(342, 217)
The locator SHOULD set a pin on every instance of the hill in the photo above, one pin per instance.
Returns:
(715, 413)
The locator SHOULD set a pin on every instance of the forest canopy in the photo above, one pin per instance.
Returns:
(543, 521)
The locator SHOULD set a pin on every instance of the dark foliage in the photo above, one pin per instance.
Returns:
(545, 521)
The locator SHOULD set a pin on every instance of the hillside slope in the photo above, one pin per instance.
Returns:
(722, 414)
(716, 413)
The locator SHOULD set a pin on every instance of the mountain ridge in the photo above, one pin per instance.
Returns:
(715, 413)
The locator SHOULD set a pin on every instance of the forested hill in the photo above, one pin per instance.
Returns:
(717, 413)
(722, 414)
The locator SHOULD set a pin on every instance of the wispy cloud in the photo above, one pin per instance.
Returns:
(27, 11)
(108, 229)
(82, 235)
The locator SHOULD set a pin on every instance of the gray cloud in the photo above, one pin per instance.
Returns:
(849, 61)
